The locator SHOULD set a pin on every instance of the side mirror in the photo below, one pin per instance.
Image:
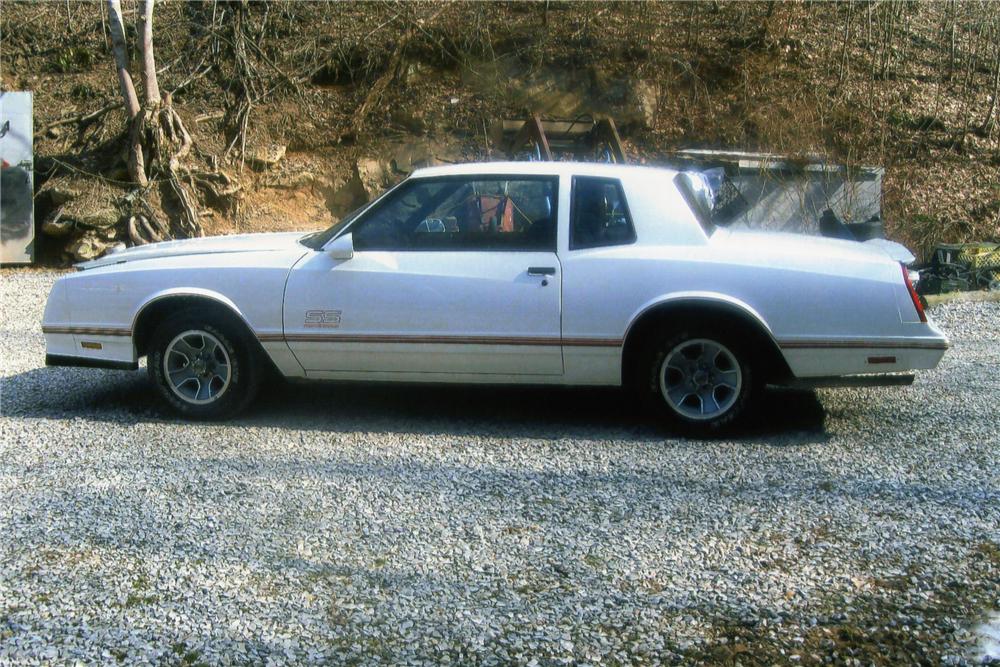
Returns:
(341, 247)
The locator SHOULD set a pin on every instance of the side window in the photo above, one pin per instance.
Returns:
(492, 213)
(600, 215)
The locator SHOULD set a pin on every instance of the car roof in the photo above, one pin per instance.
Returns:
(539, 168)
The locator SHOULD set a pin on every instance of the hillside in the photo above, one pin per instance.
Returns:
(306, 108)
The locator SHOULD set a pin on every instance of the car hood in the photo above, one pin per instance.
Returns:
(211, 245)
(807, 247)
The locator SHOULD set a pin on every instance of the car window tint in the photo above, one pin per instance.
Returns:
(600, 214)
(460, 213)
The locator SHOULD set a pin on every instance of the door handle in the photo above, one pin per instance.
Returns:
(541, 270)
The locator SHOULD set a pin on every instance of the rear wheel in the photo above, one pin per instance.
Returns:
(203, 366)
(698, 381)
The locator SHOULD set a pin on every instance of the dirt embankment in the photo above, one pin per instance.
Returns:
(307, 108)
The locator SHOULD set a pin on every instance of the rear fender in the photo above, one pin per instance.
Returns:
(776, 366)
(699, 298)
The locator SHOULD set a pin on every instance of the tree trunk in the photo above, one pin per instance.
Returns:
(986, 127)
(844, 66)
(121, 58)
(157, 138)
(148, 62)
(951, 50)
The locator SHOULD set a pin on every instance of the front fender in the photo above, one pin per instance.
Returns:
(198, 292)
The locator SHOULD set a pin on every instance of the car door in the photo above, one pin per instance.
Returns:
(449, 275)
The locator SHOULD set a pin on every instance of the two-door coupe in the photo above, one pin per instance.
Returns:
(538, 272)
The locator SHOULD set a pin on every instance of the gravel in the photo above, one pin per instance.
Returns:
(433, 525)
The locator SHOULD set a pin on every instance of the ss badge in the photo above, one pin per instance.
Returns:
(325, 319)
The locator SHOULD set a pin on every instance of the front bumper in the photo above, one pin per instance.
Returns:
(89, 362)
(89, 347)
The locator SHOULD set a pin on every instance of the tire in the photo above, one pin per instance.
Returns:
(213, 379)
(698, 380)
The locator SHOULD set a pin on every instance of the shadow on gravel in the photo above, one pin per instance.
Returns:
(784, 417)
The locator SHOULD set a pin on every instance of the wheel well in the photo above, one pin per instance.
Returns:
(733, 318)
(154, 313)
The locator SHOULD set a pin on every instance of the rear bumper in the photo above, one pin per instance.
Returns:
(824, 359)
(89, 362)
(861, 380)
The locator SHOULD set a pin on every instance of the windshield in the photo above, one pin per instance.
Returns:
(316, 240)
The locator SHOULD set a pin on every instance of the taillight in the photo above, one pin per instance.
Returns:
(913, 294)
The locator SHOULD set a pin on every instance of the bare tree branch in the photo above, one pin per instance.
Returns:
(82, 118)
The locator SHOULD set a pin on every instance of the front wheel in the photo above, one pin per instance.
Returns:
(202, 367)
(699, 381)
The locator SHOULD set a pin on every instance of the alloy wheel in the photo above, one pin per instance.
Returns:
(197, 367)
(700, 379)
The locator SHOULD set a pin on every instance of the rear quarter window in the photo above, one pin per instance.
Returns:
(694, 197)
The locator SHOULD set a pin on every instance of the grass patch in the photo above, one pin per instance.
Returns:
(887, 625)
(138, 600)
(990, 551)
(947, 297)
(187, 657)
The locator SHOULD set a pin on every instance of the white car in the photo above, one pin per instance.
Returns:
(526, 272)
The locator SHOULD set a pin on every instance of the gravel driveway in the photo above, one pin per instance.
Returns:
(369, 524)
